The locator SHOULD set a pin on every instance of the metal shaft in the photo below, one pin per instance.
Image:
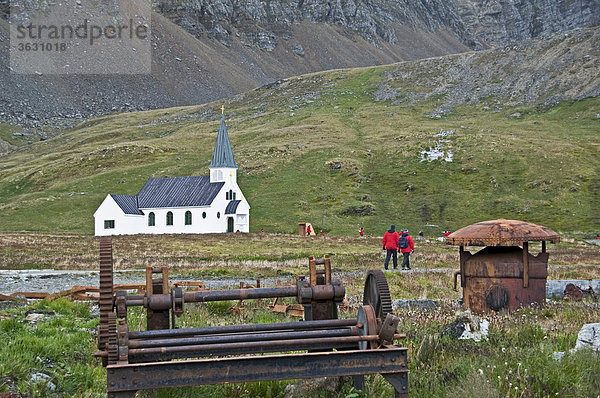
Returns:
(240, 294)
(251, 328)
(257, 347)
(239, 338)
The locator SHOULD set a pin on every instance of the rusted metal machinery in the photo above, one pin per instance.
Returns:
(503, 274)
(320, 345)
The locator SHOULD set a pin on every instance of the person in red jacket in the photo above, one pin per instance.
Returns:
(407, 246)
(390, 243)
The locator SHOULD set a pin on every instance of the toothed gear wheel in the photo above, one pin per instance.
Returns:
(377, 294)
(105, 301)
(112, 347)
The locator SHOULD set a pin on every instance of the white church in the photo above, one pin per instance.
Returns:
(181, 205)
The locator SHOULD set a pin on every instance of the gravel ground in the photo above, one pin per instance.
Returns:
(53, 281)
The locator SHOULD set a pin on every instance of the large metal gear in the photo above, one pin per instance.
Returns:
(112, 345)
(377, 294)
(105, 301)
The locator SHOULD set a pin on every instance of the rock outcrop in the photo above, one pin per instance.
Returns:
(501, 22)
(477, 24)
(206, 50)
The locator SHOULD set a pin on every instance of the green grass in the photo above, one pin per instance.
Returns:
(516, 360)
(519, 349)
(61, 345)
(541, 167)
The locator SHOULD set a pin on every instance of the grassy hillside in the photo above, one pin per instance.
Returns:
(324, 136)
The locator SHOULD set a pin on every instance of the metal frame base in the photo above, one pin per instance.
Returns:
(391, 362)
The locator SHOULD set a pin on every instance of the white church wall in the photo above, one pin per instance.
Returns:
(119, 222)
(213, 222)
(242, 217)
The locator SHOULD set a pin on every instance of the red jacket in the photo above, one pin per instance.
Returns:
(411, 245)
(390, 240)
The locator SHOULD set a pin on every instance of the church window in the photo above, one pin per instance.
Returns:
(170, 218)
(218, 214)
(151, 219)
(234, 196)
(188, 218)
(109, 224)
(203, 214)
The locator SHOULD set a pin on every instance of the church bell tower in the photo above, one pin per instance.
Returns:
(223, 167)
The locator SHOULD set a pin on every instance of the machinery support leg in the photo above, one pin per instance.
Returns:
(400, 383)
(359, 382)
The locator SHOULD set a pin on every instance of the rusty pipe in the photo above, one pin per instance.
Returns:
(456, 274)
(249, 328)
(240, 294)
(257, 347)
(161, 356)
(321, 293)
(239, 338)
(162, 302)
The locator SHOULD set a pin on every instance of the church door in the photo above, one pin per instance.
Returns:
(229, 224)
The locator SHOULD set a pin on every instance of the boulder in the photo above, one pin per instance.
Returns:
(43, 378)
(419, 305)
(573, 292)
(467, 327)
(319, 385)
(361, 211)
(589, 336)
(556, 288)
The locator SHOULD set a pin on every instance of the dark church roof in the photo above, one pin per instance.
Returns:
(127, 203)
(178, 192)
(223, 154)
(232, 206)
(183, 191)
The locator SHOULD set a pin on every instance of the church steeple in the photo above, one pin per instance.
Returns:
(223, 164)
(223, 154)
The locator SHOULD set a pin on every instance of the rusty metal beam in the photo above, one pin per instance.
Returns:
(122, 378)
(149, 281)
(165, 279)
(525, 264)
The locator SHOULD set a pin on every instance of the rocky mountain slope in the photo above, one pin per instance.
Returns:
(562, 67)
(224, 47)
(509, 132)
(477, 24)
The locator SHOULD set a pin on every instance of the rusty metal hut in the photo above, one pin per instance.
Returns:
(503, 274)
